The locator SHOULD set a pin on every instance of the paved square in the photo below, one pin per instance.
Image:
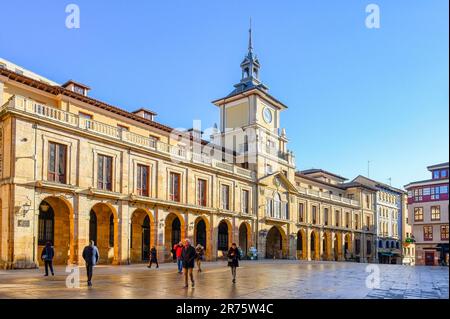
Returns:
(256, 279)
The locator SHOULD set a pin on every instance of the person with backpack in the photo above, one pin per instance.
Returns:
(90, 256)
(199, 257)
(47, 257)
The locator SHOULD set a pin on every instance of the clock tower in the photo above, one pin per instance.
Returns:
(250, 123)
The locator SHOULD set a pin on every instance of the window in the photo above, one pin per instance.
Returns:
(347, 219)
(142, 180)
(356, 221)
(174, 187)
(57, 163)
(78, 89)
(301, 212)
(46, 224)
(427, 232)
(201, 192)
(338, 216)
(444, 173)
(418, 214)
(435, 174)
(326, 217)
(111, 230)
(435, 212)
(268, 169)
(367, 201)
(245, 201)
(368, 222)
(226, 197)
(277, 206)
(444, 189)
(314, 214)
(87, 119)
(269, 207)
(444, 232)
(104, 172)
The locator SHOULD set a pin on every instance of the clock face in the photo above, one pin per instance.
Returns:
(267, 115)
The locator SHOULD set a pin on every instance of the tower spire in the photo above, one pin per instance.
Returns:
(250, 44)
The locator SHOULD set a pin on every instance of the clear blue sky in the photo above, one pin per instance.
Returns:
(354, 94)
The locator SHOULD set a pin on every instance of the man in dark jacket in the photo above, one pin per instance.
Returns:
(188, 258)
(47, 256)
(90, 256)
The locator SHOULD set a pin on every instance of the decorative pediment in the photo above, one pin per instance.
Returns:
(278, 181)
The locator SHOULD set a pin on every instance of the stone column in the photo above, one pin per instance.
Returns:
(308, 244)
(322, 249)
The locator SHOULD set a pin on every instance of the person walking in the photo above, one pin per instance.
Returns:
(178, 249)
(153, 258)
(200, 251)
(233, 260)
(90, 256)
(47, 257)
(188, 256)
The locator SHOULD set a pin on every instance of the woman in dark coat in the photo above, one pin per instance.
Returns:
(47, 256)
(233, 259)
(153, 258)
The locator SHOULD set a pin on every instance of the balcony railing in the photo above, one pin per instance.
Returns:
(335, 198)
(28, 106)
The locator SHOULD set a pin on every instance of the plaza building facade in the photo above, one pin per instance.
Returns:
(74, 169)
(428, 214)
(390, 218)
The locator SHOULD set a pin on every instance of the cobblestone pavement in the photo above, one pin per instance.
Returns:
(256, 279)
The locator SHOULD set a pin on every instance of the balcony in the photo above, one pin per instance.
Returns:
(29, 107)
(328, 196)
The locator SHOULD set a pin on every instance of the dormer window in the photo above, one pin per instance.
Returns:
(76, 87)
(146, 114)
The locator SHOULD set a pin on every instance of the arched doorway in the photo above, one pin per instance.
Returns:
(301, 245)
(347, 246)
(327, 246)
(244, 238)
(174, 231)
(200, 233)
(337, 247)
(275, 243)
(141, 235)
(55, 224)
(223, 237)
(104, 231)
(314, 246)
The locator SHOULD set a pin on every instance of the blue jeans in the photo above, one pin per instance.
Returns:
(180, 264)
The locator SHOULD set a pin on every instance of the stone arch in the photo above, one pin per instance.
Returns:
(203, 236)
(142, 235)
(174, 230)
(327, 251)
(224, 236)
(337, 246)
(276, 243)
(59, 226)
(302, 252)
(245, 237)
(104, 231)
(315, 245)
